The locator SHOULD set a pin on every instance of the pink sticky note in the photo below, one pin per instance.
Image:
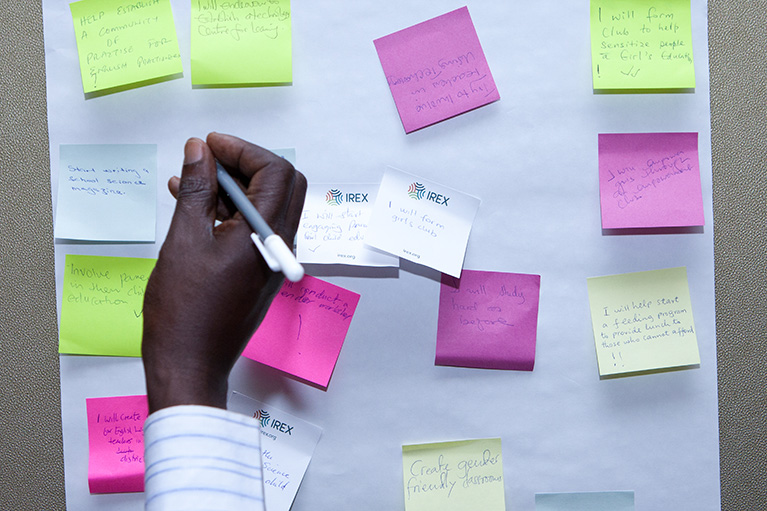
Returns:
(116, 443)
(488, 320)
(436, 69)
(304, 329)
(649, 180)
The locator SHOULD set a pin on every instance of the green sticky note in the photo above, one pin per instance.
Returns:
(241, 43)
(461, 475)
(641, 45)
(125, 44)
(643, 322)
(102, 305)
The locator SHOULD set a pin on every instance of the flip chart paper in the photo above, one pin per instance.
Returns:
(241, 43)
(304, 329)
(449, 476)
(124, 43)
(107, 192)
(436, 70)
(585, 501)
(650, 180)
(102, 305)
(287, 445)
(333, 226)
(488, 320)
(116, 443)
(422, 221)
(641, 45)
(643, 322)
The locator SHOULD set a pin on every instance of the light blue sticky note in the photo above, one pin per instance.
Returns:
(289, 154)
(107, 192)
(585, 501)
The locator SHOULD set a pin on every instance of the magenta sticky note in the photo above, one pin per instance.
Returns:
(649, 180)
(304, 329)
(116, 443)
(488, 320)
(436, 70)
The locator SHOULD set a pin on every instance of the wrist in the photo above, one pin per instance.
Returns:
(168, 386)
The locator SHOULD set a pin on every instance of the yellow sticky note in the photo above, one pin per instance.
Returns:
(240, 43)
(643, 322)
(102, 305)
(461, 475)
(122, 44)
(641, 45)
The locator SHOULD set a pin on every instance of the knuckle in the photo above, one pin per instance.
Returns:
(193, 188)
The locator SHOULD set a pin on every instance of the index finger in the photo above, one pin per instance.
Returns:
(241, 155)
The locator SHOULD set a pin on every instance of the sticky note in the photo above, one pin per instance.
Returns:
(287, 445)
(650, 180)
(241, 43)
(304, 329)
(641, 45)
(436, 70)
(585, 501)
(107, 192)
(422, 221)
(488, 320)
(460, 475)
(116, 443)
(643, 322)
(102, 305)
(333, 225)
(123, 44)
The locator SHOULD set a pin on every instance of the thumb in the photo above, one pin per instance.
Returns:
(197, 189)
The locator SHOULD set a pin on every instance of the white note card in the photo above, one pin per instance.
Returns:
(422, 221)
(287, 445)
(334, 223)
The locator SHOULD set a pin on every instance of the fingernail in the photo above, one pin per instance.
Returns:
(192, 151)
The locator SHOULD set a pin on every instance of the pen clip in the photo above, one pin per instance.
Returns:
(273, 264)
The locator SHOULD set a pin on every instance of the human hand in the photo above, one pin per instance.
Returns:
(211, 288)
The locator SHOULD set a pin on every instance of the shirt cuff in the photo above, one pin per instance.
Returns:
(202, 458)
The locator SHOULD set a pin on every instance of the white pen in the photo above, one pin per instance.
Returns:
(276, 253)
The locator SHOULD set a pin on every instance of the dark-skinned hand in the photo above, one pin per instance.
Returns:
(211, 288)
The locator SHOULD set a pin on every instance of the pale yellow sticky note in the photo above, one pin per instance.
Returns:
(241, 43)
(641, 45)
(122, 44)
(643, 322)
(102, 305)
(447, 476)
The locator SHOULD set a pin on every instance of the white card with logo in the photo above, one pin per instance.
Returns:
(422, 221)
(334, 224)
(287, 445)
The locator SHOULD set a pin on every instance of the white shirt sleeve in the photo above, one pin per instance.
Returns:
(202, 458)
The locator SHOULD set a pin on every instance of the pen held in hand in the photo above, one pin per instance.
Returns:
(274, 250)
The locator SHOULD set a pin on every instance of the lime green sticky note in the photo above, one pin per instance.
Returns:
(461, 475)
(643, 322)
(241, 43)
(102, 305)
(641, 45)
(124, 44)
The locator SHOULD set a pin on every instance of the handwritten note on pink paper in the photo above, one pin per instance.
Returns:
(436, 70)
(304, 329)
(649, 180)
(488, 320)
(116, 443)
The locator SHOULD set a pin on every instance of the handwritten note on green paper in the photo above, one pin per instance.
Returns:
(643, 322)
(641, 44)
(241, 43)
(459, 475)
(124, 43)
(102, 305)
